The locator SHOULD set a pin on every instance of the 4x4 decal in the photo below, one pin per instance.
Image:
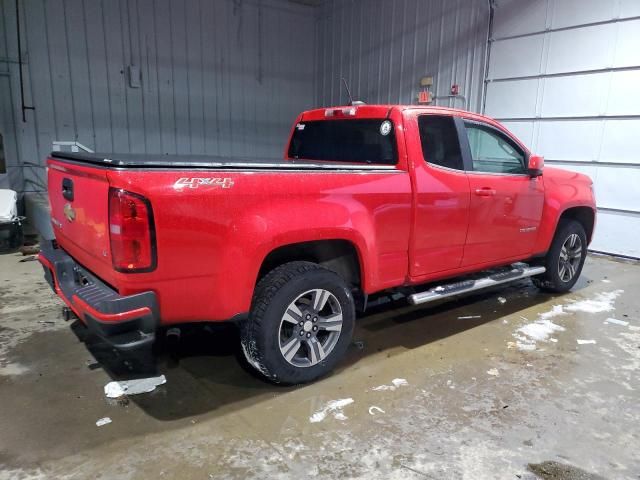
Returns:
(208, 182)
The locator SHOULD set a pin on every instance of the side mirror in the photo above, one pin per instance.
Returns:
(536, 164)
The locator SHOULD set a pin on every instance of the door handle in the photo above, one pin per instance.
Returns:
(485, 192)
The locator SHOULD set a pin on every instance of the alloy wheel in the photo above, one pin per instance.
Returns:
(570, 257)
(310, 328)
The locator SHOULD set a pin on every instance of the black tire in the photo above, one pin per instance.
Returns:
(262, 335)
(551, 280)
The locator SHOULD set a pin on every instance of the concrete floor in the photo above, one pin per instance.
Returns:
(483, 399)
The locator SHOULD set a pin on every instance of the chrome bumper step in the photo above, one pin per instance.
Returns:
(457, 288)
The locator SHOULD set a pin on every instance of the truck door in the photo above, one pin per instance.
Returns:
(506, 203)
(441, 195)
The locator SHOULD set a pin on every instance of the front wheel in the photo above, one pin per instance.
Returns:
(300, 325)
(565, 258)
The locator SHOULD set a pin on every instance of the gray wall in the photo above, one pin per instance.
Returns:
(384, 47)
(564, 76)
(223, 77)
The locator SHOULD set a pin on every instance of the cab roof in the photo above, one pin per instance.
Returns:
(381, 111)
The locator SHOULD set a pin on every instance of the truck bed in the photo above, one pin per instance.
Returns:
(143, 160)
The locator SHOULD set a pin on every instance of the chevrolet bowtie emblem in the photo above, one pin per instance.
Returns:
(69, 212)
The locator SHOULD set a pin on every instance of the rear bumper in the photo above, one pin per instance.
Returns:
(125, 322)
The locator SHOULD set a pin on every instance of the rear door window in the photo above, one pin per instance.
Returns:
(369, 141)
(440, 142)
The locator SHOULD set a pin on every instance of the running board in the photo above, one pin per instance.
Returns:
(465, 286)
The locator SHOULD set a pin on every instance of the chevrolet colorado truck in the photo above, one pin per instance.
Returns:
(425, 202)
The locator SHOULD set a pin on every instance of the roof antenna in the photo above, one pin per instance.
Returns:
(352, 102)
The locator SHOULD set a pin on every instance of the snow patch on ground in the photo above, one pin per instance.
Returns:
(541, 330)
(333, 407)
(602, 302)
(395, 384)
(13, 369)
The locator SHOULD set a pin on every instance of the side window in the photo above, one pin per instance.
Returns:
(492, 151)
(440, 142)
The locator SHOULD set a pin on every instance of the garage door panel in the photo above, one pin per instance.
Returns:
(574, 96)
(584, 122)
(569, 140)
(627, 52)
(523, 131)
(580, 49)
(629, 8)
(516, 57)
(501, 98)
(621, 141)
(617, 232)
(568, 13)
(513, 17)
(617, 187)
(623, 98)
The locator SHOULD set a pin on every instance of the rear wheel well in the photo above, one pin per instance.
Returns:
(583, 215)
(339, 256)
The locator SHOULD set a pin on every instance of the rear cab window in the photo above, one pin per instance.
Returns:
(369, 141)
(440, 141)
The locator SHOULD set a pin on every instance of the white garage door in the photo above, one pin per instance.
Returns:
(564, 76)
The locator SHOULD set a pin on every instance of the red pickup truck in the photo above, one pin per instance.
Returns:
(425, 202)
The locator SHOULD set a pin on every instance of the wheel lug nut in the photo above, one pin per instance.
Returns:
(315, 328)
(301, 332)
(301, 323)
(315, 319)
(308, 335)
(308, 316)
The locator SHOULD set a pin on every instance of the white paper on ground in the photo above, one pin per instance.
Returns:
(103, 421)
(586, 342)
(133, 387)
(335, 407)
(616, 321)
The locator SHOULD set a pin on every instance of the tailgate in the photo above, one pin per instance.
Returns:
(79, 198)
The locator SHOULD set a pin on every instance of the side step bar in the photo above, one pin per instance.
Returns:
(465, 286)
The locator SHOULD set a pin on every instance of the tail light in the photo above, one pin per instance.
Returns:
(132, 232)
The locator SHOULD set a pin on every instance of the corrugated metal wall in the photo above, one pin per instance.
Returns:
(384, 47)
(564, 76)
(224, 77)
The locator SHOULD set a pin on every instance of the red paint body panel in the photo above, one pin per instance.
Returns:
(411, 224)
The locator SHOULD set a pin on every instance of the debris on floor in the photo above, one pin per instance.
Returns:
(616, 321)
(551, 470)
(493, 372)
(103, 421)
(133, 387)
(469, 317)
(395, 383)
(334, 407)
(373, 409)
(586, 342)
(29, 250)
(502, 300)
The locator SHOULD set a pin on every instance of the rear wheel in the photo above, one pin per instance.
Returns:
(565, 258)
(301, 323)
